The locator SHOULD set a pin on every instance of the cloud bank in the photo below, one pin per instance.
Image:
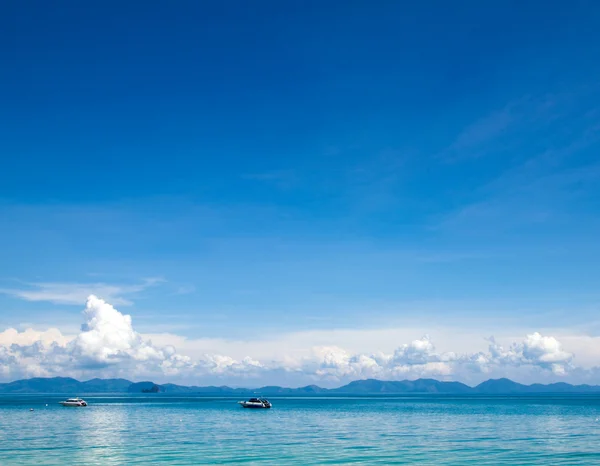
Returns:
(108, 346)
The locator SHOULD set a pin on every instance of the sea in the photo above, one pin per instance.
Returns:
(192, 430)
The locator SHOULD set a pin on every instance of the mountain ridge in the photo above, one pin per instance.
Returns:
(501, 386)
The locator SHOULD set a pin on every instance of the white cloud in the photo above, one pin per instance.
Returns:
(108, 345)
(420, 359)
(336, 363)
(11, 336)
(225, 365)
(416, 359)
(108, 338)
(76, 293)
(535, 350)
(417, 352)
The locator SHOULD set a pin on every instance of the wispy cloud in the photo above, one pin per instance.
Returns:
(76, 293)
(485, 129)
(503, 130)
(546, 172)
(519, 199)
(441, 257)
(185, 289)
(283, 179)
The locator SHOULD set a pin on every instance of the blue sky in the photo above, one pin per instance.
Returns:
(221, 171)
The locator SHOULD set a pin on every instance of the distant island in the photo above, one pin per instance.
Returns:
(153, 389)
(68, 385)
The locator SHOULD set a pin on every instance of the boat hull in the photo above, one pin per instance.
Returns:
(255, 405)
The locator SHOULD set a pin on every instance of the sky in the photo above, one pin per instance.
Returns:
(300, 192)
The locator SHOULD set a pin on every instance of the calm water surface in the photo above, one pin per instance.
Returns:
(402, 430)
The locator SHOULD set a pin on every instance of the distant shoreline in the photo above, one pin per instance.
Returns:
(369, 387)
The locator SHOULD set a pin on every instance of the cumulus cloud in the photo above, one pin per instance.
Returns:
(336, 363)
(107, 338)
(108, 345)
(535, 350)
(10, 336)
(416, 359)
(227, 366)
(419, 358)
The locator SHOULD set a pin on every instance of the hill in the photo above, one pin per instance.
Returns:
(372, 386)
(67, 385)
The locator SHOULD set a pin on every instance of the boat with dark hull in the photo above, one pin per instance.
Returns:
(259, 403)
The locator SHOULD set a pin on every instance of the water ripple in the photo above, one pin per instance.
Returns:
(311, 431)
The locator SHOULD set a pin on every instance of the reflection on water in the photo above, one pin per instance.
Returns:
(100, 435)
(435, 430)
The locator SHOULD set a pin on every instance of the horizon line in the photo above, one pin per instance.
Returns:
(305, 386)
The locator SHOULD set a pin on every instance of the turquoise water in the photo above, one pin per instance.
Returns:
(402, 430)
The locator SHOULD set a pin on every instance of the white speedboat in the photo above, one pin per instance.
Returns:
(74, 402)
(256, 403)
